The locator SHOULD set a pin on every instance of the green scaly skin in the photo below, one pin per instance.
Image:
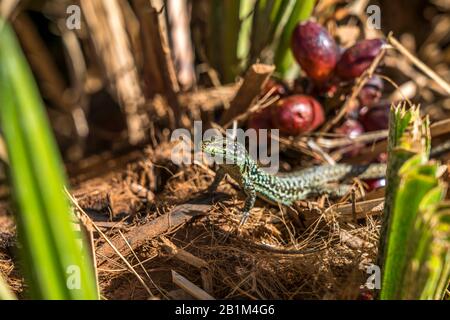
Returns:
(282, 188)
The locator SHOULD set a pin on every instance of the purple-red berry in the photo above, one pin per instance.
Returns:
(356, 59)
(372, 91)
(350, 128)
(315, 50)
(261, 119)
(382, 157)
(276, 87)
(373, 184)
(297, 114)
(375, 117)
(365, 295)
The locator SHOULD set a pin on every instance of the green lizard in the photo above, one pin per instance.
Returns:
(281, 188)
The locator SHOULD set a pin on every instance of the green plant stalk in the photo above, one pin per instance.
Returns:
(399, 121)
(283, 57)
(429, 272)
(244, 43)
(415, 184)
(266, 20)
(424, 272)
(278, 17)
(414, 243)
(224, 26)
(399, 152)
(54, 263)
(5, 291)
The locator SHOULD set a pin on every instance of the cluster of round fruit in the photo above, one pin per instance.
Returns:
(330, 70)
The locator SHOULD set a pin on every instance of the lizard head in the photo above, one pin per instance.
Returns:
(225, 151)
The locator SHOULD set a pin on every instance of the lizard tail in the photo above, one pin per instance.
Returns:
(339, 172)
(330, 173)
(372, 171)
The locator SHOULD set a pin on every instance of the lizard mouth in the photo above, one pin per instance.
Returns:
(212, 144)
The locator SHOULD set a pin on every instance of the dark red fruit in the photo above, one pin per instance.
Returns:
(373, 184)
(276, 86)
(326, 90)
(303, 85)
(375, 117)
(356, 59)
(365, 295)
(350, 128)
(297, 114)
(315, 50)
(261, 119)
(371, 92)
(382, 157)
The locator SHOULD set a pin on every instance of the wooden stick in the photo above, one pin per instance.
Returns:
(89, 232)
(362, 209)
(436, 129)
(439, 128)
(183, 255)
(352, 241)
(207, 280)
(41, 61)
(419, 64)
(152, 70)
(108, 33)
(189, 258)
(178, 23)
(367, 137)
(140, 234)
(159, 69)
(254, 81)
(7, 8)
(208, 99)
(189, 287)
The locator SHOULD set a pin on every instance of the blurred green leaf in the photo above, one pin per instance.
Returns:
(244, 43)
(267, 18)
(428, 274)
(414, 251)
(224, 25)
(400, 119)
(56, 263)
(414, 186)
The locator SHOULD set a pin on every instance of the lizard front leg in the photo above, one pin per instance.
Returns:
(250, 191)
(220, 174)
